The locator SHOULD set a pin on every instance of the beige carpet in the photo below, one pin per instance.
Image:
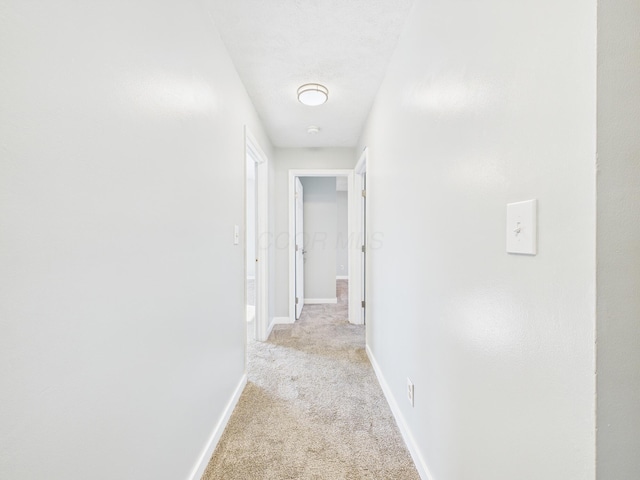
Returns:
(312, 409)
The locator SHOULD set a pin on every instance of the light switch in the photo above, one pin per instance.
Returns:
(522, 231)
(236, 234)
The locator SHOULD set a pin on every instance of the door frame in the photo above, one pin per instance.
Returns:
(255, 152)
(353, 229)
(355, 264)
(299, 252)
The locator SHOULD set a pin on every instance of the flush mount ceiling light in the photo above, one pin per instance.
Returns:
(313, 94)
(312, 130)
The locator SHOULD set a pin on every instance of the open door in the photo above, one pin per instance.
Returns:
(299, 241)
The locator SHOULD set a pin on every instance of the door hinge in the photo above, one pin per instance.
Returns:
(363, 304)
(297, 300)
(296, 248)
(364, 193)
(364, 249)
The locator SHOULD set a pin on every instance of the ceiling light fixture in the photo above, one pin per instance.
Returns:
(313, 94)
(312, 130)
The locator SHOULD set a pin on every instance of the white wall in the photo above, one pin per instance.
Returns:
(618, 209)
(320, 237)
(487, 103)
(122, 173)
(342, 246)
(285, 159)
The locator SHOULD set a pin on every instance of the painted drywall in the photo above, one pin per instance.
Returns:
(487, 103)
(320, 237)
(121, 178)
(342, 237)
(618, 230)
(285, 159)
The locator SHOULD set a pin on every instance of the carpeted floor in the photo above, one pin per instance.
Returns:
(312, 409)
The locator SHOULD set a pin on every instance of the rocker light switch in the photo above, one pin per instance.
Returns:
(522, 231)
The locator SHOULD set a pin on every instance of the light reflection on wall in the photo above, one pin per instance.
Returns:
(450, 95)
(486, 174)
(173, 94)
(486, 320)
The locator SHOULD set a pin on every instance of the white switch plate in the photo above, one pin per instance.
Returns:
(522, 228)
(410, 391)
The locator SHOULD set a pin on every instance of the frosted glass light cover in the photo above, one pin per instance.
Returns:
(313, 94)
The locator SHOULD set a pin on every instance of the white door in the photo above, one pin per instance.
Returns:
(299, 241)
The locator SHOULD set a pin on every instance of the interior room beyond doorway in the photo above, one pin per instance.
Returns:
(325, 238)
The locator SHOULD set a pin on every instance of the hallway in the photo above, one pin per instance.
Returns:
(296, 418)
(125, 133)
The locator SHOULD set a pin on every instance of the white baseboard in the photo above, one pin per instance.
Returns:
(203, 461)
(418, 460)
(342, 277)
(317, 301)
(270, 327)
(282, 321)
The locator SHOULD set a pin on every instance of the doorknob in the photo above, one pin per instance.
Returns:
(304, 251)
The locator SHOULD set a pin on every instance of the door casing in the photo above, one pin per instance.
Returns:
(353, 199)
(298, 240)
(255, 152)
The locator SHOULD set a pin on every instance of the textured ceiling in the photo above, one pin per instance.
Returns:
(278, 45)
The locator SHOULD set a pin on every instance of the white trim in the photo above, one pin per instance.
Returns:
(361, 166)
(272, 324)
(205, 456)
(318, 301)
(418, 460)
(342, 277)
(355, 262)
(255, 152)
(350, 220)
(253, 148)
(281, 321)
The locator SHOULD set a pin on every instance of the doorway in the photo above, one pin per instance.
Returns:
(298, 250)
(250, 246)
(321, 240)
(361, 184)
(256, 239)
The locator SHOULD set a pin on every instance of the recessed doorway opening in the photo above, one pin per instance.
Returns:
(256, 231)
(335, 256)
